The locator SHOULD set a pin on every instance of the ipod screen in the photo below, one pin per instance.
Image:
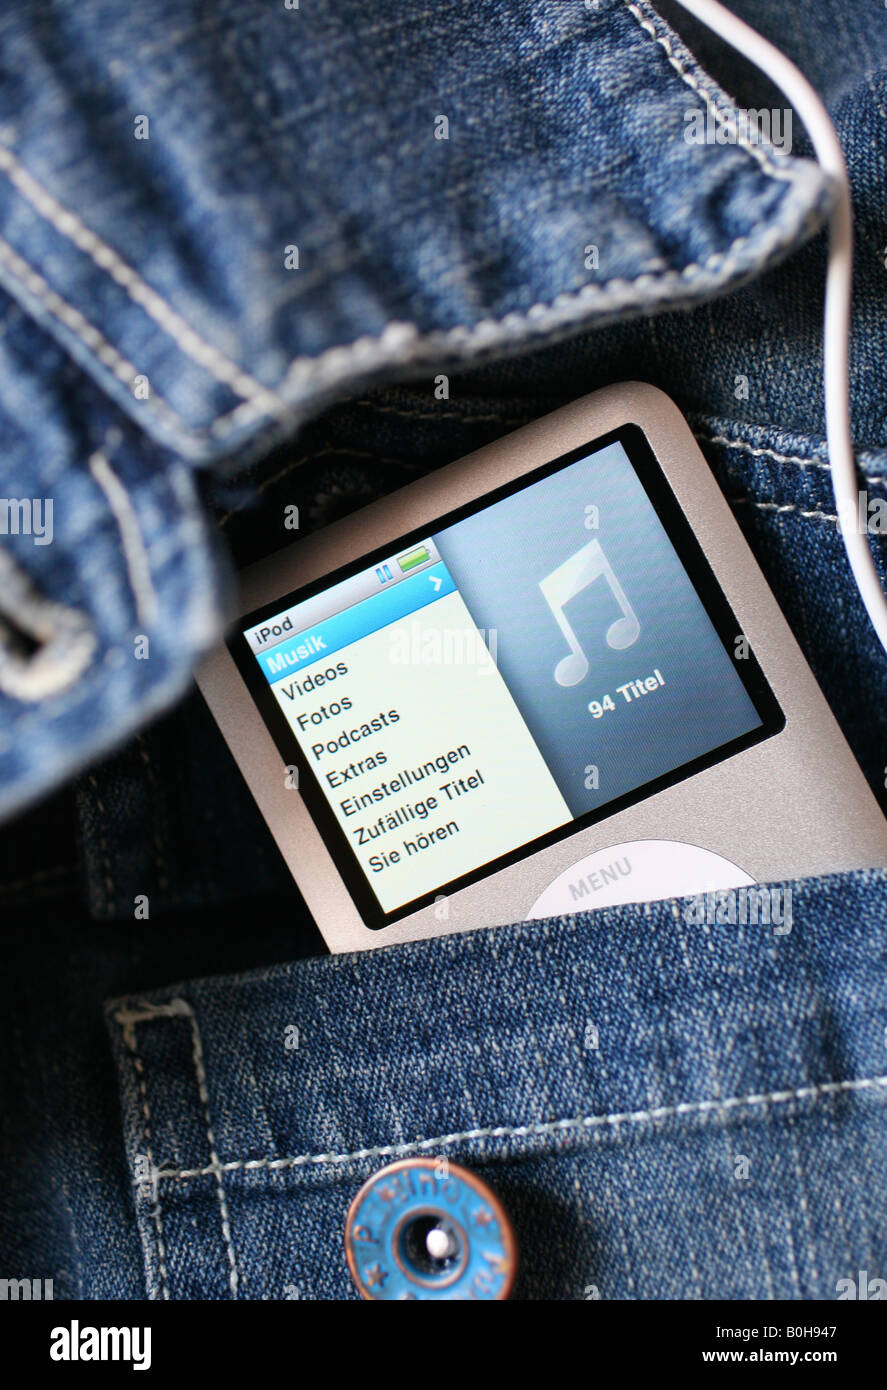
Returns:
(540, 659)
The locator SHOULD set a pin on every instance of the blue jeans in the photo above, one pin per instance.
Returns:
(216, 234)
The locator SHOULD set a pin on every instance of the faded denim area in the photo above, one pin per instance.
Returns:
(164, 320)
(726, 1136)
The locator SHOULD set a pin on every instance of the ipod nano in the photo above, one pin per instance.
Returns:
(547, 678)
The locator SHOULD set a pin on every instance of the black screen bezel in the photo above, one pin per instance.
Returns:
(692, 558)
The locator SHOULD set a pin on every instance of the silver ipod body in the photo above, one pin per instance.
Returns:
(794, 803)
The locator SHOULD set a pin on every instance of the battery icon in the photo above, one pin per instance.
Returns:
(414, 558)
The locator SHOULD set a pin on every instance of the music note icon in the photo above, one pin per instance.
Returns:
(568, 580)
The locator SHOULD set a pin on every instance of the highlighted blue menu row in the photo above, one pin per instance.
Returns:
(342, 629)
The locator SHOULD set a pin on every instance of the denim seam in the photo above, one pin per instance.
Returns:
(760, 452)
(766, 453)
(132, 541)
(613, 297)
(813, 513)
(334, 363)
(70, 226)
(103, 842)
(197, 1052)
(791, 507)
(399, 343)
(724, 117)
(160, 853)
(179, 1008)
(581, 1122)
(129, 1037)
(94, 341)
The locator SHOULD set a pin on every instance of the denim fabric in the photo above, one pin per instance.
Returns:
(158, 174)
(403, 238)
(618, 1152)
(621, 1164)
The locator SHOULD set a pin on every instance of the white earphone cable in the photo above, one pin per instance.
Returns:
(836, 329)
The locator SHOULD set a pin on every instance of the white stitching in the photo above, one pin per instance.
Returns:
(765, 453)
(700, 1107)
(804, 1204)
(180, 1008)
(782, 507)
(130, 1040)
(335, 364)
(332, 365)
(108, 875)
(612, 297)
(782, 458)
(724, 118)
(90, 336)
(69, 225)
(464, 337)
(135, 551)
(215, 1166)
(791, 507)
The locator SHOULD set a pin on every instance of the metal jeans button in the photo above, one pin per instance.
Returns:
(428, 1228)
